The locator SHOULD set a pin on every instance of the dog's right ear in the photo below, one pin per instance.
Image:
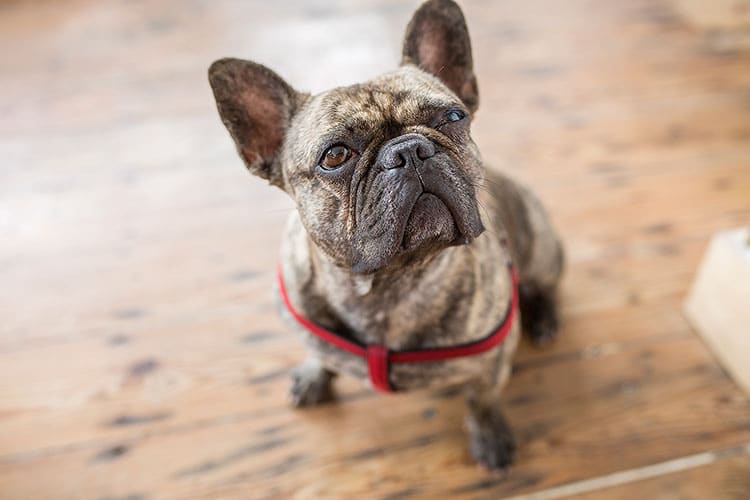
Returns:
(256, 105)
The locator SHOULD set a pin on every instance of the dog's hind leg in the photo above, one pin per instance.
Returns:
(538, 314)
(539, 281)
(522, 224)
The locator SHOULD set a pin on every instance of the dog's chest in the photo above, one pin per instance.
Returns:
(462, 298)
(411, 312)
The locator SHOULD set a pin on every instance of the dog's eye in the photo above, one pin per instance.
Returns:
(335, 156)
(455, 115)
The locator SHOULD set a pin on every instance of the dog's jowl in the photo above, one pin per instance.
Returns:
(406, 263)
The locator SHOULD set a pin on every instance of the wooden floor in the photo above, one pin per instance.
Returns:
(140, 354)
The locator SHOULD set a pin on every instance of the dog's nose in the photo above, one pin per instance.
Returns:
(406, 150)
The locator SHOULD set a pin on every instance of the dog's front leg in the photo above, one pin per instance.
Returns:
(490, 438)
(311, 383)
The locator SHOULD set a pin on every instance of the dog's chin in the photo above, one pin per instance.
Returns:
(430, 226)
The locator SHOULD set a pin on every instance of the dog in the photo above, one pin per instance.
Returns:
(389, 270)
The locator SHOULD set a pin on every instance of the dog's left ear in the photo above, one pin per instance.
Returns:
(437, 40)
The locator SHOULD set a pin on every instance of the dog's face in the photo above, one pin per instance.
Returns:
(382, 171)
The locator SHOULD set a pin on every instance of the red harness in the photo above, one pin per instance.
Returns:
(379, 358)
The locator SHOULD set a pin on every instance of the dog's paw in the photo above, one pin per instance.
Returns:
(310, 386)
(491, 442)
(543, 330)
(539, 316)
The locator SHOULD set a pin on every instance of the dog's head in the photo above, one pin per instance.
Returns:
(380, 171)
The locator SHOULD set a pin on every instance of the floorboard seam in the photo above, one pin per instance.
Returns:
(636, 474)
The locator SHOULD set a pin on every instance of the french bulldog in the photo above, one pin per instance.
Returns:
(400, 237)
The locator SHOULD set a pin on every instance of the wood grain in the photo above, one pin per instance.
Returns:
(140, 352)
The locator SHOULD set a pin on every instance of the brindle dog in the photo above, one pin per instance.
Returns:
(388, 244)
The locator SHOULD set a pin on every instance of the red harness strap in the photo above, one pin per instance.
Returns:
(379, 358)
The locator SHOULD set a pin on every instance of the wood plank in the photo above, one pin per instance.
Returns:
(573, 412)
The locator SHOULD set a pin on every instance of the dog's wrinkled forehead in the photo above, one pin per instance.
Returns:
(400, 95)
(386, 104)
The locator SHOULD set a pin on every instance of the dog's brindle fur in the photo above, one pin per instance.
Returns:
(390, 247)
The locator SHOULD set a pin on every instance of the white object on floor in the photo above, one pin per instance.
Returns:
(718, 305)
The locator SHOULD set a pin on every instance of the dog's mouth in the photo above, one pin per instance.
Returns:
(426, 222)
(431, 222)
